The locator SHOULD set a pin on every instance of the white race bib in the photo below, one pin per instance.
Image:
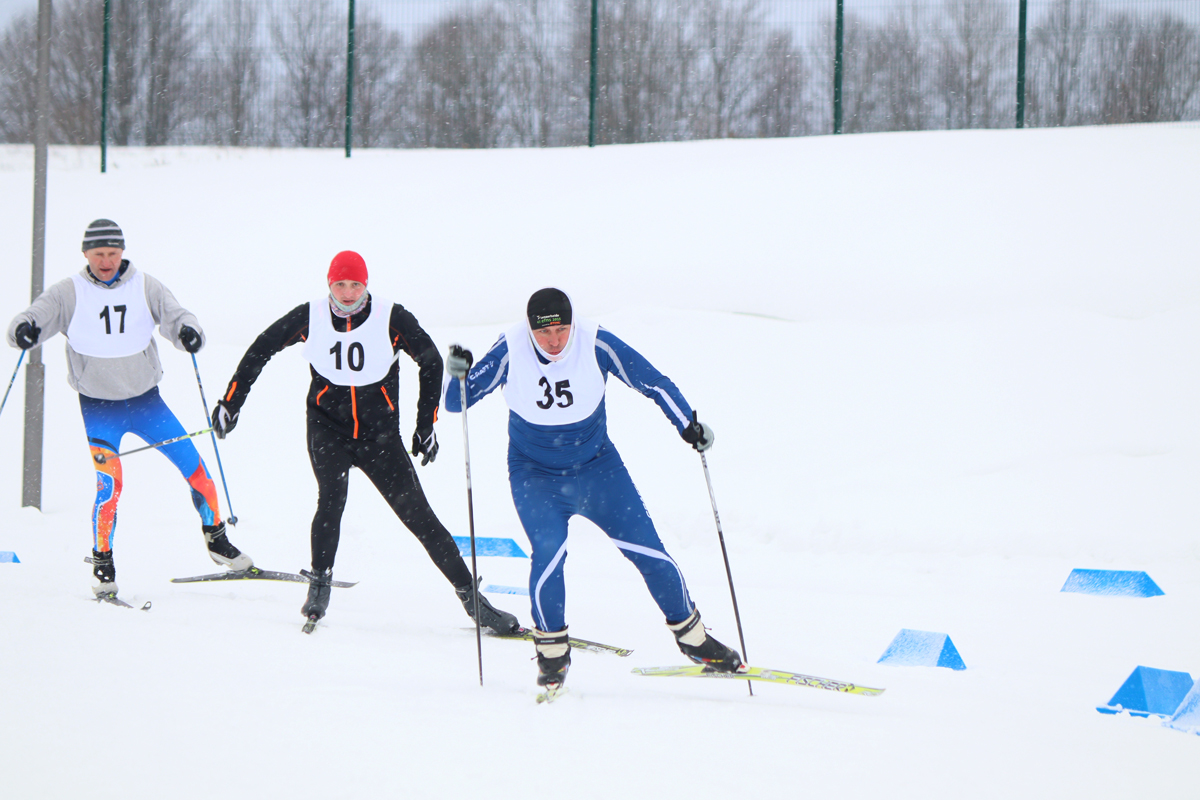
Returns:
(110, 323)
(358, 357)
(558, 393)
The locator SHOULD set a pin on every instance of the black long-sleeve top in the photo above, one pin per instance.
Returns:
(358, 412)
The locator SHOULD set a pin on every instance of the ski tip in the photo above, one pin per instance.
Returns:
(552, 693)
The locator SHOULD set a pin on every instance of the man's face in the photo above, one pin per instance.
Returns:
(347, 292)
(104, 261)
(553, 338)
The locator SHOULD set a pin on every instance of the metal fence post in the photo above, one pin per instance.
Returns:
(350, 79)
(35, 371)
(838, 52)
(592, 85)
(1021, 17)
(104, 89)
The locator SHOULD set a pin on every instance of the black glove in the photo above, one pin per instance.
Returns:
(698, 435)
(190, 339)
(425, 443)
(26, 334)
(459, 362)
(223, 421)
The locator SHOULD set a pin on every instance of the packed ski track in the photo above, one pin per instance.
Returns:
(944, 369)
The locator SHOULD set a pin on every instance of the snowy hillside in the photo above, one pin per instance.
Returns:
(944, 369)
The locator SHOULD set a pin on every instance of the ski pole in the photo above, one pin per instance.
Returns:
(100, 458)
(462, 385)
(725, 554)
(11, 381)
(232, 517)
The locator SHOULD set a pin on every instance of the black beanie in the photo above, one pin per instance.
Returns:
(103, 233)
(548, 307)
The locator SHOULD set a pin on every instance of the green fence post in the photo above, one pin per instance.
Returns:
(104, 90)
(1021, 15)
(838, 51)
(592, 85)
(350, 79)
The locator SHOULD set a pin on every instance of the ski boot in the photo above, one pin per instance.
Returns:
(695, 643)
(105, 572)
(490, 617)
(319, 587)
(222, 551)
(553, 657)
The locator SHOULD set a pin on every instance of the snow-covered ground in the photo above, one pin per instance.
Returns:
(944, 369)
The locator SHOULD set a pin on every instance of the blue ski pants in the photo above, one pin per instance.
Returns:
(599, 490)
(147, 417)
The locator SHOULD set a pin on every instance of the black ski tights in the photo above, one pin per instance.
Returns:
(387, 465)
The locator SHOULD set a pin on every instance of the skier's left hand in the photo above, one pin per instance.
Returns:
(698, 435)
(190, 339)
(425, 443)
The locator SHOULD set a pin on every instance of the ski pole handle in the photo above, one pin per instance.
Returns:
(100, 458)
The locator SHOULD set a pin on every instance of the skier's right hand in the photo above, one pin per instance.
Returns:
(698, 435)
(27, 334)
(222, 420)
(459, 362)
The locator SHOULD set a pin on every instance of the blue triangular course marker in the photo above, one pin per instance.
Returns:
(1150, 691)
(1111, 582)
(1187, 716)
(489, 546)
(922, 649)
(9, 557)
(506, 589)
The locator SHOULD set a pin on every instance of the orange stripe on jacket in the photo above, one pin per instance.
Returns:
(232, 389)
(354, 410)
(323, 391)
(385, 397)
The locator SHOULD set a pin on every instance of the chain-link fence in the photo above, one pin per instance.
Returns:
(501, 73)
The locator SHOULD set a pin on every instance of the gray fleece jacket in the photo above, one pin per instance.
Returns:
(109, 378)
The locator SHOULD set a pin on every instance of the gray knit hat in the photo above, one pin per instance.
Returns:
(103, 233)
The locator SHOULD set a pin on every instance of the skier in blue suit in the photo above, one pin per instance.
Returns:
(553, 368)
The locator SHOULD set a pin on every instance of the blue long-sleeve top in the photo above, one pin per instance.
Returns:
(565, 446)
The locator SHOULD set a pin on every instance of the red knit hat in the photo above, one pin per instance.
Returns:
(348, 266)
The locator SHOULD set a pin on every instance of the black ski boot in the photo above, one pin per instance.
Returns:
(490, 617)
(319, 587)
(105, 572)
(222, 551)
(695, 643)
(553, 657)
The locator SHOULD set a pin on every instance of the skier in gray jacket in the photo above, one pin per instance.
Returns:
(108, 312)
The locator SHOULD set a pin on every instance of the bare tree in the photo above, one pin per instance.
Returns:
(902, 68)
(725, 34)
(537, 64)
(459, 68)
(643, 68)
(379, 90)
(309, 36)
(974, 54)
(167, 64)
(1149, 69)
(860, 99)
(1057, 47)
(18, 76)
(232, 73)
(780, 105)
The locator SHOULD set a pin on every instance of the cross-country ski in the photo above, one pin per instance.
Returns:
(760, 674)
(256, 574)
